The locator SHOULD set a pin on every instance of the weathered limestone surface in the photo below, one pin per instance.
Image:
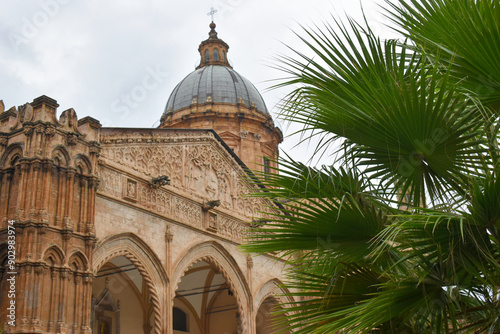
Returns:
(84, 201)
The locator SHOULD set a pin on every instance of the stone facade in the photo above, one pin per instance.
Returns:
(48, 191)
(128, 230)
(80, 195)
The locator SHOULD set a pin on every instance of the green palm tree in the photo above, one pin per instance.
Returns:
(403, 237)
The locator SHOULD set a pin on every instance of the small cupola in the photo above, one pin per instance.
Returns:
(213, 51)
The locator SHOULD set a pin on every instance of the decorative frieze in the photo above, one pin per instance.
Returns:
(187, 212)
(152, 161)
(111, 182)
(156, 200)
(169, 205)
(198, 168)
(231, 228)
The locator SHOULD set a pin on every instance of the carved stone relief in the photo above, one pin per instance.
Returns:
(150, 160)
(187, 212)
(207, 172)
(231, 228)
(156, 200)
(225, 190)
(197, 167)
(111, 184)
(130, 190)
(212, 222)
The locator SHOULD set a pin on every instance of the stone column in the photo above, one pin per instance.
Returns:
(67, 221)
(53, 298)
(83, 201)
(5, 194)
(34, 189)
(77, 303)
(251, 321)
(47, 172)
(169, 300)
(25, 273)
(22, 170)
(37, 297)
(86, 305)
(93, 183)
(63, 288)
(60, 197)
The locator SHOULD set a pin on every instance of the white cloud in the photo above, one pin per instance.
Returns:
(88, 54)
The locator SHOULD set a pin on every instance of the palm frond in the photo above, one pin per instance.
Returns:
(400, 116)
(466, 35)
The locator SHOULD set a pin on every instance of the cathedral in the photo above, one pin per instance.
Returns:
(136, 230)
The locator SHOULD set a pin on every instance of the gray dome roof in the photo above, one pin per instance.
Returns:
(222, 83)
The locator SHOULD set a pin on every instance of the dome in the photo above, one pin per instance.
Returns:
(216, 84)
(214, 96)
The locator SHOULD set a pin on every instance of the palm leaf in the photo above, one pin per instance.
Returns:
(466, 35)
(399, 115)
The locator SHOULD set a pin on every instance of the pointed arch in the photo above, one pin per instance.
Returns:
(273, 288)
(215, 254)
(61, 155)
(83, 164)
(272, 296)
(11, 155)
(54, 254)
(145, 260)
(78, 261)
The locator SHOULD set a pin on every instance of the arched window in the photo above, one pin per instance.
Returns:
(223, 55)
(180, 320)
(216, 55)
(206, 55)
(267, 167)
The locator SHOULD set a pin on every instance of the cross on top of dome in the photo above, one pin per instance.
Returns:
(212, 12)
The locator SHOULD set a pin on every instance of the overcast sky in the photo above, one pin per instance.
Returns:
(93, 55)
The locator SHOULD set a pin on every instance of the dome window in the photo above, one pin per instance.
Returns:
(206, 56)
(216, 55)
(223, 55)
(267, 167)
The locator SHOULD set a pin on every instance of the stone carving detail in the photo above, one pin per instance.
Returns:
(187, 212)
(155, 200)
(206, 170)
(153, 161)
(110, 184)
(71, 139)
(225, 190)
(212, 221)
(130, 190)
(194, 164)
(231, 228)
(249, 206)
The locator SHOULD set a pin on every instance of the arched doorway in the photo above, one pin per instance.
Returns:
(204, 302)
(128, 289)
(120, 299)
(269, 319)
(220, 295)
